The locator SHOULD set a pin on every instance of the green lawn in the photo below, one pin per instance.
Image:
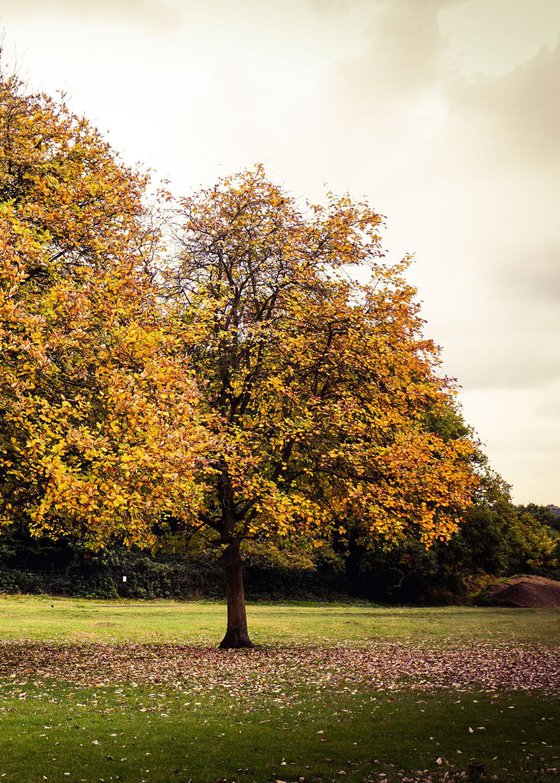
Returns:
(62, 619)
(158, 736)
(287, 713)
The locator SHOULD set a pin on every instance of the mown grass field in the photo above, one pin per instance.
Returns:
(43, 618)
(102, 691)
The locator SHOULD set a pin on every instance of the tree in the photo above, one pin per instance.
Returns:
(98, 425)
(546, 515)
(495, 539)
(319, 389)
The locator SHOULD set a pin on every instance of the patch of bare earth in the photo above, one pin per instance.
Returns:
(531, 592)
(383, 666)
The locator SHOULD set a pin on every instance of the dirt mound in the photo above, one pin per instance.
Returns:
(523, 592)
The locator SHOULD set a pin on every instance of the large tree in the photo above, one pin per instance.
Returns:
(275, 397)
(314, 377)
(98, 433)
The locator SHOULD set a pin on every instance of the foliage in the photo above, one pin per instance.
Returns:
(496, 539)
(533, 547)
(547, 515)
(97, 426)
(319, 386)
(66, 568)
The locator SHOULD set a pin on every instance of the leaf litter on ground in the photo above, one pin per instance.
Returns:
(200, 676)
(384, 666)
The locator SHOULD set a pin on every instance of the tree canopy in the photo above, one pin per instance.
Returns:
(97, 431)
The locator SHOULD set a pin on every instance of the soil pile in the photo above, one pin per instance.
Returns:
(523, 592)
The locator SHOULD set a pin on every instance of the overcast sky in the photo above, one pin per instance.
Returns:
(445, 114)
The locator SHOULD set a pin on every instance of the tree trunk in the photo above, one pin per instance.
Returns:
(237, 634)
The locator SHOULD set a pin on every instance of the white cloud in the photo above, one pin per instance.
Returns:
(153, 16)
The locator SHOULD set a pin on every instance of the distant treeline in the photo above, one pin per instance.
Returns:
(498, 539)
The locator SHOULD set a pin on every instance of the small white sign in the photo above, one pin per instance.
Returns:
(124, 578)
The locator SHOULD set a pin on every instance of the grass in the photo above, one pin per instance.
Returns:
(300, 727)
(133, 735)
(42, 618)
